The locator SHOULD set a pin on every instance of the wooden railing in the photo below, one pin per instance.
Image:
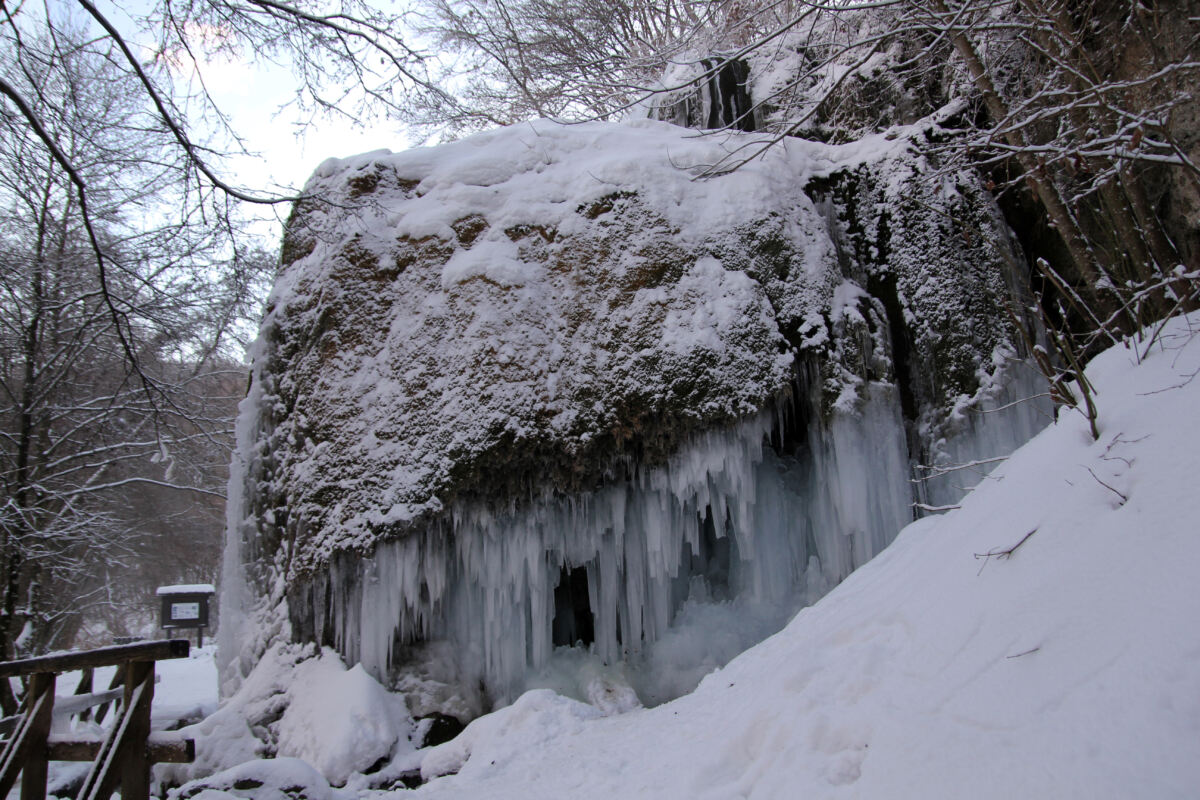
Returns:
(124, 756)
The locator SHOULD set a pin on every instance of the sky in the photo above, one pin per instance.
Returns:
(254, 96)
(286, 145)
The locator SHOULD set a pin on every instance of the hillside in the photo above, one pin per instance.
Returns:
(1040, 641)
(1066, 669)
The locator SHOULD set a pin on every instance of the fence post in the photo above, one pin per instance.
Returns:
(33, 777)
(135, 772)
(26, 748)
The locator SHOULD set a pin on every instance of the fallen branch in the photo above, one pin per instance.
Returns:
(1124, 499)
(1007, 553)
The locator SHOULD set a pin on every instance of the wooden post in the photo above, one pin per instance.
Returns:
(135, 772)
(26, 748)
(85, 687)
(33, 777)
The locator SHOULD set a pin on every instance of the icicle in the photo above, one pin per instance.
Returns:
(486, 582)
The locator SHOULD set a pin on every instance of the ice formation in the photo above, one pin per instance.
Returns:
(543, 388)
(718, 98)
(725, 518)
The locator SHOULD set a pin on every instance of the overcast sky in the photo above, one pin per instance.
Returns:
(290, 146)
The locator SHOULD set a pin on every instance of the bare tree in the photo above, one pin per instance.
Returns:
(345, 58)
(125, 269)
(502, 61)
(111, 387)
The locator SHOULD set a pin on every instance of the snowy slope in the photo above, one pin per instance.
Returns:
(1066, 670)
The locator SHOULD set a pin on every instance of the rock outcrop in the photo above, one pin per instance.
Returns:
(594, 356)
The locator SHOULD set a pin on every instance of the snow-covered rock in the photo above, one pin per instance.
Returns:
(552, 384)
(298, 704)
(265, 779)
(341, 721)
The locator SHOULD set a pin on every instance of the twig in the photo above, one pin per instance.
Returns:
(1124, 499)
(937, 470)
(1187, 379)
(1007, 553)
(1007, 406)
(934, 509)
(1027, 652)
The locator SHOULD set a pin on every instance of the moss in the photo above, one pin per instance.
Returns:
(426, 249)
(408, 185)
(368, 182)
(469, 228)
(657, 265)
(363, 184)
(363, 262)
(519, 232)
(605, 204)
(298, 241)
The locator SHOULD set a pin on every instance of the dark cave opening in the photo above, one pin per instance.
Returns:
(573, 622)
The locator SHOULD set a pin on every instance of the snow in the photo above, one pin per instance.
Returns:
(274, 779)
(187, 588)
(340, 721)
(944, 668)
(1040, 641)
(303, 704)
(537, 718)
(188, 688)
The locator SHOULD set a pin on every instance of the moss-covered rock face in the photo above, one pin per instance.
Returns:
(939, 274)
(534, 311)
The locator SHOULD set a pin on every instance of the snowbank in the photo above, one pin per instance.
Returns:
(300, 704)
(1039, 642)
(340, 721)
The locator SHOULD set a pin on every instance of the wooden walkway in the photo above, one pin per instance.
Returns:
(124, 756)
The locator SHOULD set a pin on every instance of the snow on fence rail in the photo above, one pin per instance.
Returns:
(124, 756)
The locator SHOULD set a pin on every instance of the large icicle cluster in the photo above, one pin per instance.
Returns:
(726, 517)
(543, 386)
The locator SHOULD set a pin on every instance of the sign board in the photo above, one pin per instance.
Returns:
(185, 606)
(185, 611)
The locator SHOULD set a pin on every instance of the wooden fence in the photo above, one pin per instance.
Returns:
(125, 754)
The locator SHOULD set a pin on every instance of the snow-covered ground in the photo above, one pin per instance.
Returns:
(944, 668)
(188, 689)
(1070, 668)
(1042, 641)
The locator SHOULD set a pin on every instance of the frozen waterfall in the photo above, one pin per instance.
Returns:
(727, 518)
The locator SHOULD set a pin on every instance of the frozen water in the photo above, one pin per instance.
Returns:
(684, 566)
